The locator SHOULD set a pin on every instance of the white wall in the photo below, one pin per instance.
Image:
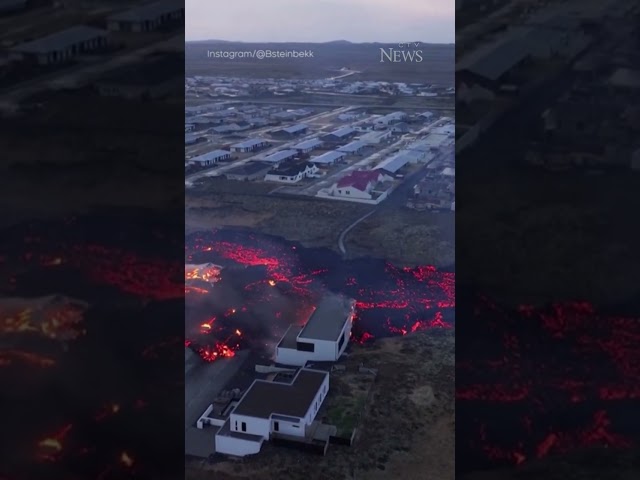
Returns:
(236, 446)
(290, 356)
(319, 398)
(289, 428)
(255, 426)
(353, 193)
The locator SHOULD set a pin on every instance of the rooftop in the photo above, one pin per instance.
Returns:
(328, 319)
(328, 157)
(342, 132)
(359, 179)
(61, 40)
(290, 338)
(264, 398)
(353, 146)
(211, 156)
(311, 143)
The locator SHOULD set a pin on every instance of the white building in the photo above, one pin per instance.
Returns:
(323, 338)
(359, 185)
(268, 409)
(292, 173)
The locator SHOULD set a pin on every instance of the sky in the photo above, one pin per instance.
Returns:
(392, 21)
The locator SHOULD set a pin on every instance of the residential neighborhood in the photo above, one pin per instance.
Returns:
(346, 154)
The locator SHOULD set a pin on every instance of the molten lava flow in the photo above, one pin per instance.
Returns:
(391, 301)
(564, 377)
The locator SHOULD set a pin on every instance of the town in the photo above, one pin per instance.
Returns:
(346, 154)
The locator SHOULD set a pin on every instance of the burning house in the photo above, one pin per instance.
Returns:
(324, 337)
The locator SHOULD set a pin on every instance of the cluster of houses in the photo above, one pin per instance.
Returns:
(223, 118)
(285, 406)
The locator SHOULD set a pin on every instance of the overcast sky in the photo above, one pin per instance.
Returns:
(321, 20)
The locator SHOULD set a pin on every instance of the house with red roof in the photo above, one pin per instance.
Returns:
(360, 185)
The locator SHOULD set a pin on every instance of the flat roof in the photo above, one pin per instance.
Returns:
(150, 11)
(211, 155)
(264, 398)
(312, 142)
(328, 157)
(328, 319)
(61, 40)
(353, 146)
(290, 338)
(281, 155)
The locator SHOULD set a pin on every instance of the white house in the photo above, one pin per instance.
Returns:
(292, 173)
(211, 158)
(323, 338)
(268, 409)
(359, 184)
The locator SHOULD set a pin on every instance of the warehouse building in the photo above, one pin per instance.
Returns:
(61, 47)
(147, 18)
